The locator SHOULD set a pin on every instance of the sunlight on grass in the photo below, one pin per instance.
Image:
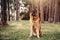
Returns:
(19, 30)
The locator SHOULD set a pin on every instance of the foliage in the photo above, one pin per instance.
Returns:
(24, 0)
(19, 30)
(10, 1)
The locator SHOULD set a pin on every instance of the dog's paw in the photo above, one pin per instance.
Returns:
(34, 34)
(38, 37)
(30, 35)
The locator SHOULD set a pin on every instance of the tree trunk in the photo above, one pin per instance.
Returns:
(41, 11)
(55, 14)
(3, 13)
(8, 14)
(49, 11)
(42, 15)
(17, 15)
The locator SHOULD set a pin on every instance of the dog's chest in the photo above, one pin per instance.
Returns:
(35, 21)
(35, 18)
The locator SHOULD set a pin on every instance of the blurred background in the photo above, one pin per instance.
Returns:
(14, 19)
(20, 9)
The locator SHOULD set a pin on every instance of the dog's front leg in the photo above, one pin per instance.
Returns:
(37, 30)
(31, 32)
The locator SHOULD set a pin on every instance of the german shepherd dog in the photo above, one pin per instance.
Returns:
(35, 24)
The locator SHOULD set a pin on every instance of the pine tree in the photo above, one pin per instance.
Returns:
(3, 13)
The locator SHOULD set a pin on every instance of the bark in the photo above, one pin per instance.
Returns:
(49, 11)
(55, 14)
(3, 13)
(17, 13)
(8, 14)
(41, 11)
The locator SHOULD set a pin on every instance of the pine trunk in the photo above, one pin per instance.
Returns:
(17, 15)
(56, 13)
(8, 14)
(41, 11)
(3, 13)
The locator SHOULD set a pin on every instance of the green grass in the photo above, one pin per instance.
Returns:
(19, 30)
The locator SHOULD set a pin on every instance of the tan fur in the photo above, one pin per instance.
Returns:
(35, 25)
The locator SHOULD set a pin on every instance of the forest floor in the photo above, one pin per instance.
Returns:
(19, 30)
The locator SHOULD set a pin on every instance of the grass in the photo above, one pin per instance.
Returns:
(19, 30)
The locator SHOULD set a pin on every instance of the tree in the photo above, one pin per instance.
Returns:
(8, 9)
(50, 10)
(17, 15)
(3, 13)
(56, 17)
(41, 11)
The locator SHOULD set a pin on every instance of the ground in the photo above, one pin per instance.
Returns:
(19, 30)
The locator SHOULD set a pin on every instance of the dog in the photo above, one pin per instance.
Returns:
(35, 24)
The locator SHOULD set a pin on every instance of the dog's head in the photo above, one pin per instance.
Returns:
(34, 12)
